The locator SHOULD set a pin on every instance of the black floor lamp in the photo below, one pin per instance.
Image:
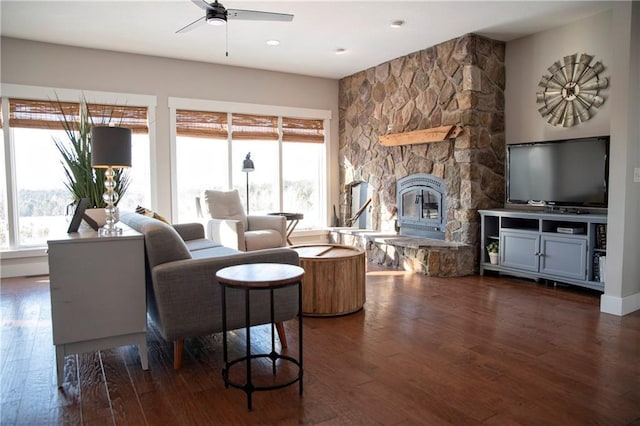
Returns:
(247, 166)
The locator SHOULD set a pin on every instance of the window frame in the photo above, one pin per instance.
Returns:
(64, 95)
(252, 109)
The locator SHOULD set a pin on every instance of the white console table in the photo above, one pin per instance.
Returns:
(533, 245)
(97, 294)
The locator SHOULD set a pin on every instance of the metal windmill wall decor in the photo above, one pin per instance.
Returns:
(572, 91)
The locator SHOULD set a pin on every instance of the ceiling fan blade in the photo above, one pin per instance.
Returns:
(254, 15)
(201, 4)
(192, 25)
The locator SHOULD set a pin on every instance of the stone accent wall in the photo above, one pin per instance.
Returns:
(459, 82)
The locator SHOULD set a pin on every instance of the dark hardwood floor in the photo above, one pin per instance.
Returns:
(473, 350)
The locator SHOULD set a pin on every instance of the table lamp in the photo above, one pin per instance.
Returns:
(247, 166)
(110, 148)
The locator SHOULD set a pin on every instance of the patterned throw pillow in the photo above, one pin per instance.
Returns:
(150, 213)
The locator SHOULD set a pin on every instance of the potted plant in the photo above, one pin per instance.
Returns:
(82, 180)
(493, 249)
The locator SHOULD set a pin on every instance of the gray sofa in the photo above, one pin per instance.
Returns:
(183, 296)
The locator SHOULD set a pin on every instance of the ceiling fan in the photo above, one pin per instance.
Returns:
(217, 14)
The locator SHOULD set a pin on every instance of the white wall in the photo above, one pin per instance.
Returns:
(42, 64)
(623, 267)
(63, 67)
(528, 59)
(612, 38)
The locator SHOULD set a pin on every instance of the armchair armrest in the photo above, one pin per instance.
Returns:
(277, 223)
(228, 232)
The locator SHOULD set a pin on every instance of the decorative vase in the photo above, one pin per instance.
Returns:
(493, 258)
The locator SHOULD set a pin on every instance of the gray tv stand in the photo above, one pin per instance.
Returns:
(561, 247)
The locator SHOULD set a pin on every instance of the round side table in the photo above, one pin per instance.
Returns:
(259, 277)
(293, 219)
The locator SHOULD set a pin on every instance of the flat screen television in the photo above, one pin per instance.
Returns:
(572, 172)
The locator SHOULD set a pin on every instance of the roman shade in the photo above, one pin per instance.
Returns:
(201, 124)
(254, 127)
(38, 114)
(302, 130)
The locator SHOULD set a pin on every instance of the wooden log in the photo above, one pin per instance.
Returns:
(436, 134)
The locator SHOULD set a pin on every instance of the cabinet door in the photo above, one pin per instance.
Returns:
(564, 257)
(97, 288)
(519, 250)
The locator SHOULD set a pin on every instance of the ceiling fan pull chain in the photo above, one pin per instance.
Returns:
(226, 40)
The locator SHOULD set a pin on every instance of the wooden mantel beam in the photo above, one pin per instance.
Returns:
(435, 134)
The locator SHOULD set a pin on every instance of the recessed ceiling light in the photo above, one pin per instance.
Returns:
(397, 24)
(273, 42)
(341, 51)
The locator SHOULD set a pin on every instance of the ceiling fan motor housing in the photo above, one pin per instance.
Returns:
(216, 14)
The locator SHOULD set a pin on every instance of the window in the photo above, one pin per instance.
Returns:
(39, 180)
(37, 183)
(302, 169)
(201, 157)
(134, 118)
(258, 135)
(4, 214)
(289, 155)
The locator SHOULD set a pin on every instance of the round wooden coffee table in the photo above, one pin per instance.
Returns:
(334, 279)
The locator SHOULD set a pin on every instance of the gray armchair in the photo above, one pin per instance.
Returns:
(228, 224)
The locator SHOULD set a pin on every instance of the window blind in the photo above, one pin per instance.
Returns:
(201, 124)
(255, 127)
(131, 117)
(41, 114)
(302, 130)
(37, 114)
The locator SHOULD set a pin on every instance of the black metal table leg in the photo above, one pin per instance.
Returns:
(300, 334)
(249, 385)
(225, 365)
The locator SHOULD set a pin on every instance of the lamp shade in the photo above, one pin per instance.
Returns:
(247, 164)
(110, 147)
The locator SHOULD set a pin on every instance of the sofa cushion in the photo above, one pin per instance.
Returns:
(225, 205)
(212, 252)
(201, 244)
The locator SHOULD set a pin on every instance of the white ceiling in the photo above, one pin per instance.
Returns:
(308, 43)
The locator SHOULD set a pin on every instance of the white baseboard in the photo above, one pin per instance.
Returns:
(14, 265)
(620, 305)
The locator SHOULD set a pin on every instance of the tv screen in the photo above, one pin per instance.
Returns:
(571, 172)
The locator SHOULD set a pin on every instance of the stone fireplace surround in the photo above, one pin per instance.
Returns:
(458, 82)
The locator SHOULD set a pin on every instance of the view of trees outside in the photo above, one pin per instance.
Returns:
(203, 164)
(39, 182)
(302, 171)
(263, 182)
(42, 198)
(200, 164)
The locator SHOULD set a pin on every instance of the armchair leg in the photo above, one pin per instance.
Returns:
(178, 345)
(281, 334)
